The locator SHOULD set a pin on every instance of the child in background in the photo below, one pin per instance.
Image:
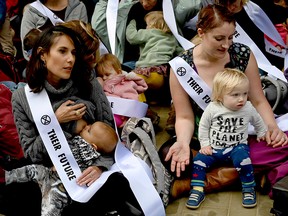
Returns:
(118, 83)
(223, 133)
(30, 39)
(86, 148)
(157, 47)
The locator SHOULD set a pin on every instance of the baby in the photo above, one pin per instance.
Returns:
(86, 148)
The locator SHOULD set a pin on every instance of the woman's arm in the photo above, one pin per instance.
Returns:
(180, 150)
(29, 137)
(258, 99)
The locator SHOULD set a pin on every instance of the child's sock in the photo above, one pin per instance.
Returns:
(198, 188)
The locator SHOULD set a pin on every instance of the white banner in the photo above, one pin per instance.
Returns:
(263, 22)
(263, 63)
(127, 107)
(111, 17)
(169, 18)
(195, 87)
(46, 12)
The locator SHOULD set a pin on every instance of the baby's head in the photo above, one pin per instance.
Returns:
(230, 87)
(108, 66)
(155, 19)
(102, 136)
(30, 39)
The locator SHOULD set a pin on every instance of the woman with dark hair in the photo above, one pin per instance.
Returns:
(57, 67)
(90, 39)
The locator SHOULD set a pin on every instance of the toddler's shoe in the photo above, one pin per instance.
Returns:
(195, 199)
(248, 197)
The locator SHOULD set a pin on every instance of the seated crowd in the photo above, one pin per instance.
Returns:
(212, 63)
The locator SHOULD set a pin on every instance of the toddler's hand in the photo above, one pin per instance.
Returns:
(207, 150)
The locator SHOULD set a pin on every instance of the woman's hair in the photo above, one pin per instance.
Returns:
(105, 60)
(157, 21)
(88, 36)
(225, 81)
(36, 68)
(213, 16)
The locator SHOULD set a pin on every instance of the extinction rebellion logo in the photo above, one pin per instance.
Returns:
(45, 120)
(181, 71)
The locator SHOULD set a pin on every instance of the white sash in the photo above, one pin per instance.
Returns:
(169, 18)
(46, 12)
(263, 63)
(54, 20)
(195, 87)
(262, 21)
(111, 17)
(127, 107)
(200, 92)
(68, 170)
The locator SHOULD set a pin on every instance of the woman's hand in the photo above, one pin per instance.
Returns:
(90, 175)
(180, 157)
(68, 112)
(206, 150)
(276, 137)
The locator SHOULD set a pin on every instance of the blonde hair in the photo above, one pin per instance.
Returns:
(108, 59)
(157, 21)
(225, 81)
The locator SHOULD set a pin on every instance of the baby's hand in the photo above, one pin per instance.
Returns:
(207, 150)
(263, 138)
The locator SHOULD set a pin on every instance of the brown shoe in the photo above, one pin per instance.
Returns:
(180, 188)
(155, 118)
(170, 124)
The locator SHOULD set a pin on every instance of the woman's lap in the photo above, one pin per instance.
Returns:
(265, 159)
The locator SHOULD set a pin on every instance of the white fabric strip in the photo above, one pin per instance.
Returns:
(111, 17)
(46, 12)
(54, 141)
(54, 20)
(262, 21)
(127, 107)
(140, 182)
(195, 87)
(200, 92)
(263, 63)
(137, 173)
(169, 18)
